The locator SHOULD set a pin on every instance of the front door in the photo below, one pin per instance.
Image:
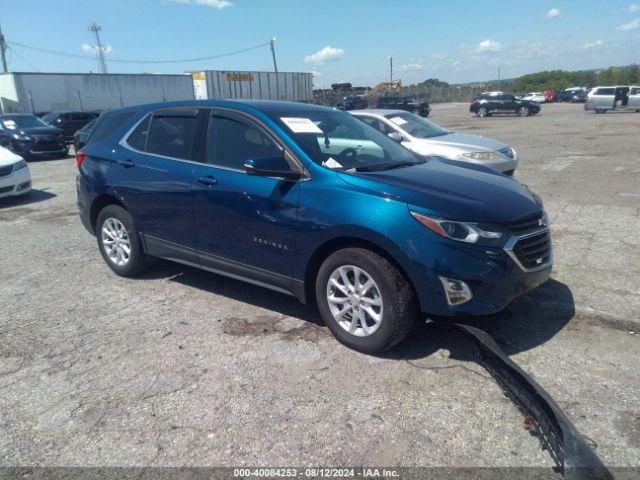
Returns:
(245, 224)
(634, 98)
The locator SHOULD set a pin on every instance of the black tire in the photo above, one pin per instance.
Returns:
(482, 112)
(138, 261)
(524, 111)
(400, 305)
(416, 111)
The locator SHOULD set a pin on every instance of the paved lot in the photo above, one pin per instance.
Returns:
(186, 368)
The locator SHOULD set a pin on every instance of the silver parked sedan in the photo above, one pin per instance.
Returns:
(424, 137)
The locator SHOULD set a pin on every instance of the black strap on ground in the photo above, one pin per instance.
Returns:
(571, 453)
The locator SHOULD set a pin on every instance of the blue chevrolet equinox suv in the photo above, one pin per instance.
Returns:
(311, 202)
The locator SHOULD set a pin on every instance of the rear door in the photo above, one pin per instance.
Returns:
(153, 175)
(634, 98)
(507, 103)
(245, 224)
(604, 98)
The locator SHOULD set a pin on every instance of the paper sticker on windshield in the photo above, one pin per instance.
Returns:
(331, 163)
(300, 125)
(10, 124)
(398, 120)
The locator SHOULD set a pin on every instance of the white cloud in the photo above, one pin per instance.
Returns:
(553, 13)
(634, 7)
(593, 45)
(439, 56)
(412, 66)
(94, 48)
(632, 25)
(219, 4)
(326, 54)
(316, 74)
(486, 46)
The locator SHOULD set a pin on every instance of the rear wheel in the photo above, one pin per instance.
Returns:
(523, 111)
(119, 242)
(482, 112)
(364, 300)
(416, 111)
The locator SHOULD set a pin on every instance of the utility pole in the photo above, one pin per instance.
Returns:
(3, 52)
(499, 82)
(102, 64)
(273, 54)
(390, 69)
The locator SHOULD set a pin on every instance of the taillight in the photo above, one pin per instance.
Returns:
(80, 156)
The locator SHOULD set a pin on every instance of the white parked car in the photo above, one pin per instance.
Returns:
(535, 97)
(15, 177)
(424, 137)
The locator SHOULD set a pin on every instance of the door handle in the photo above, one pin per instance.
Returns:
(126, 163)
(209, 181)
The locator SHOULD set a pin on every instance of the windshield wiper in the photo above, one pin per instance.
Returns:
(389, 166)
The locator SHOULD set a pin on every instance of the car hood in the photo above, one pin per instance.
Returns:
(37, 131)
(453, 190)
(463, 141)
(7, 157)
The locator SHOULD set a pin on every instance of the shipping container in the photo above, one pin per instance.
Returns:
(49, 92)
(223, 84)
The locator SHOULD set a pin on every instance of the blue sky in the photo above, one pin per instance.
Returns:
(348, 40)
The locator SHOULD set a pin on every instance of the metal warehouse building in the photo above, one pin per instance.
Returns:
(220, 84)
(47, 92)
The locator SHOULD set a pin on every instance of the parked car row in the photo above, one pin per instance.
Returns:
(408, 104)
(316, 203)
(30, 137)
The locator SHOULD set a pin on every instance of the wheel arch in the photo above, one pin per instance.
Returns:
(100, 202)
(322, 252)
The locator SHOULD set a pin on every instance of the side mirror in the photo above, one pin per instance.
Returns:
(275, 166)
(396, 137)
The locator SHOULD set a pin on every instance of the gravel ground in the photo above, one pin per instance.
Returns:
(186, 368)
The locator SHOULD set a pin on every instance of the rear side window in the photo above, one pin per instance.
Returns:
(232, 142)
(634, 91)
(138, 138)
(108, 123)
(171, 133)
(606, 91)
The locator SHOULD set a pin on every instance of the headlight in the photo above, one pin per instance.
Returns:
(462, 231)
(17, 136)
(19, 165)
(482, 155)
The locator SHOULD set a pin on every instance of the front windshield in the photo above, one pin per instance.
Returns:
(416, 126)
(14, 122)
(49, 117)
(340, 141)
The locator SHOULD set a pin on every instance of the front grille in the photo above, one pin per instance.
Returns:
(533, 251)
(6, 189)
(508, 173)
(525, 224)
(4, 171)
(46, 146)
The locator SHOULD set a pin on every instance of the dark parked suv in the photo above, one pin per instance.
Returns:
(69, 122)
(353, 102)
(310, 201)
(487, 104)
(405, 103)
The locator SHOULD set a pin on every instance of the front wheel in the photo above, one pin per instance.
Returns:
(482, 112)
(119, 242)
(365, 301)
(523, 111)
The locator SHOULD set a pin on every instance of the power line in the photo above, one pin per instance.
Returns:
(121, 60)
(27, 62)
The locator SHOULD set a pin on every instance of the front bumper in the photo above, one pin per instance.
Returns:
(503, 164)
(493, 276)
(17, 183)
(33, 148)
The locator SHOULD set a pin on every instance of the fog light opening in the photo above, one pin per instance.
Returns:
(456, 291)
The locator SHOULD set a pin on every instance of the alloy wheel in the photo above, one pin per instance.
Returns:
(115, 241)
(354, 300)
